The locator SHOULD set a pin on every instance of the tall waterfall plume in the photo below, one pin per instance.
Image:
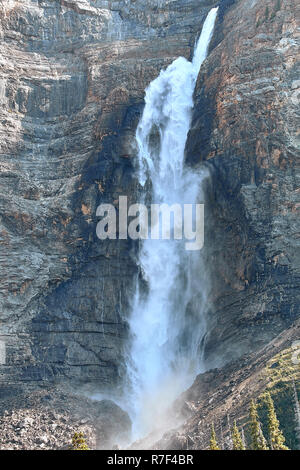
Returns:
(167, 321)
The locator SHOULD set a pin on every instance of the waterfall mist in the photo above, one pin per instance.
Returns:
(167, 321)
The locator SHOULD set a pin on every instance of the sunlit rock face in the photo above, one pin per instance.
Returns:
(73, 75)
(245, 128)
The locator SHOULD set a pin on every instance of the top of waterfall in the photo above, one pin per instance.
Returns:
(201, 48)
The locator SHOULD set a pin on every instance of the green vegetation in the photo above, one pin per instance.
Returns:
(79, 442)
(237, 438)
(274, 420)
(258, 441)
(277, 439)
(281, 374)
(213, 445)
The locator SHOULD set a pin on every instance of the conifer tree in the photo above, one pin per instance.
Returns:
(258, 440)
(79, 442)
(297, 414)
(277, 439)
(213, 445)
(237, 438)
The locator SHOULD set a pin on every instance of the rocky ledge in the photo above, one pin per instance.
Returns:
(48, 419)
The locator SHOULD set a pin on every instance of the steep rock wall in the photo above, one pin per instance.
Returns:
(245, 127)
(73, 74)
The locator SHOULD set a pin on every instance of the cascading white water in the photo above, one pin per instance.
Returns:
(167, 322)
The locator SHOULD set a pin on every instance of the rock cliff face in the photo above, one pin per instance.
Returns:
(245, 126)
(73, 74)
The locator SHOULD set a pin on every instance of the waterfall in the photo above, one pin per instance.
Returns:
(167, 320)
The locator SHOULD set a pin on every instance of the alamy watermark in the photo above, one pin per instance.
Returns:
(159, 222)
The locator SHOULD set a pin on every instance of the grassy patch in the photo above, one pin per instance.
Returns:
(281, 372)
